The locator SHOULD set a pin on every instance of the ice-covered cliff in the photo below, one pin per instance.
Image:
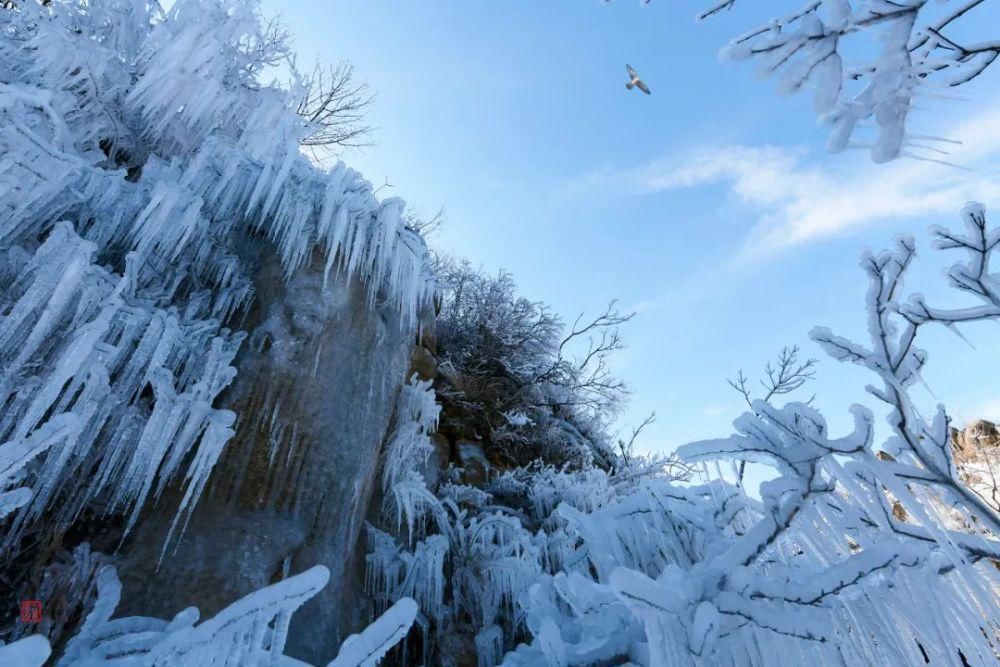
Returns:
(202, 333)
(219, 368)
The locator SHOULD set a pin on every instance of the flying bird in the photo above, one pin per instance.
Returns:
(635, 81)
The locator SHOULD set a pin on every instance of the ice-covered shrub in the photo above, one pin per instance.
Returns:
(251, 631)
(822, 570)
(857, 553)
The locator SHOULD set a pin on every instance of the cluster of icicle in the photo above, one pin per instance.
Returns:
(406, 492)
(659, 573)
(137, 148)
(414, 565)
(701, 575)
(856, 553)
(457, 557)
(251, 631)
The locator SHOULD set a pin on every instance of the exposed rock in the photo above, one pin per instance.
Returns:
(223, 555)
(458, 650)
(438, 461)
(976, 449)
(316, 387)
(472, 458)
(428, 339)
(975, 439)
(423, 363)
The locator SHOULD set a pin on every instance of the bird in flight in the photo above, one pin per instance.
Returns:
(635, 81)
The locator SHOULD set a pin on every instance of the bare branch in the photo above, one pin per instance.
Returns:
(426, 227)
(625, 447)
(334, 106)
(785, 376)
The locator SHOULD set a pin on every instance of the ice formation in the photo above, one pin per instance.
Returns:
(31, 651)
(367, 648)
(406, 493)
(857, 553)
(251, 631)
(138, 147)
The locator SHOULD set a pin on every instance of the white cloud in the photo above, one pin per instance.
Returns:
(796, 198)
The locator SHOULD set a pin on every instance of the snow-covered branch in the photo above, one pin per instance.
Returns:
(806, 48)
(894, 325)
(915, 52)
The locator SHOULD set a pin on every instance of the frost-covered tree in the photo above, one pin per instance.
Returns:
(920, 450)
(868, 62)
(786, 375)
(520, 379)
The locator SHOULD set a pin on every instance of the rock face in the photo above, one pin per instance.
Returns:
(976, 449)
(423, 363)
(975, 439)
(437, 463)
(475, 465)
(316, 387)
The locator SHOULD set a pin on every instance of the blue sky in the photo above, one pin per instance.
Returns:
(710, 207)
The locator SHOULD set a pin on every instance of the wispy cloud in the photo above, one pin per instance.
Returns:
(989, 409)
(797, 198)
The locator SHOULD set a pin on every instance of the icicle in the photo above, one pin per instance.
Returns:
(234, 636)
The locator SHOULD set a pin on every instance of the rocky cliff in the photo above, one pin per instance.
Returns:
(976, 448)
(315, 390)
(202, 333)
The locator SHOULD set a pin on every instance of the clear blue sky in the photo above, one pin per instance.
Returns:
(710, 207)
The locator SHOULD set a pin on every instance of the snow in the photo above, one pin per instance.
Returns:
(31, 651)
(704, 628)
(367, 648)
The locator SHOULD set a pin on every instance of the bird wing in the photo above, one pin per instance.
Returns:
(631, 72)
(641, 85)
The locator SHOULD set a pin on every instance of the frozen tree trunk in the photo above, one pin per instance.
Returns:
(315, 391)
